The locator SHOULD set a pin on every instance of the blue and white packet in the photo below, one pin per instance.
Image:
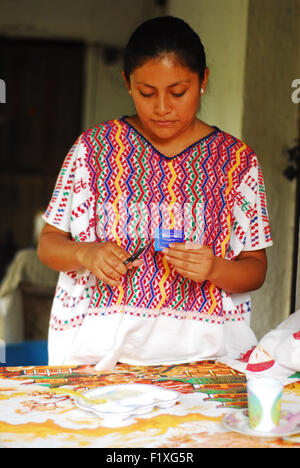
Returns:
(164, 237)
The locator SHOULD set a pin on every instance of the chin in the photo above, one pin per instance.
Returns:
(164, 133)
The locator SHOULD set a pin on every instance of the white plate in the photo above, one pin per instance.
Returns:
(239, 422)
(126, 400)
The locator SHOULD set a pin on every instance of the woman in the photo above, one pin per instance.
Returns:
(162, 176)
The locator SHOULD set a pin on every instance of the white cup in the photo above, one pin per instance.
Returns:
(264, 396)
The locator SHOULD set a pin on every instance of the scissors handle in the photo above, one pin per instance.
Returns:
(136, 254)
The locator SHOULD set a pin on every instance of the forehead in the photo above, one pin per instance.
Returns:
(166, 68)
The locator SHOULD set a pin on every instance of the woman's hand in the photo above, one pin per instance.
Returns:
(245, 273)
(106, 260)
(193, 261)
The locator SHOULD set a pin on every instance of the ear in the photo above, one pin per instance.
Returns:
(205, 79)
(126, 82)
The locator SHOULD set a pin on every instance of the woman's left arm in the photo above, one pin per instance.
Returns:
(246, 273)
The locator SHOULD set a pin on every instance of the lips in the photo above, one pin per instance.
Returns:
(164, 123)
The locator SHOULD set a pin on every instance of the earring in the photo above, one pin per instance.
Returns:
(202, 91)
(130, 92)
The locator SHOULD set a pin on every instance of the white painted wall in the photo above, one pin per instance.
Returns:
(106, 96)
(252, 49)
(222, 27)
(271, 127)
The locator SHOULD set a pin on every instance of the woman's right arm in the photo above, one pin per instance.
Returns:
(58, 251)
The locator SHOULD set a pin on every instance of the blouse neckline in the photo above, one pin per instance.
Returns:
(216, 129)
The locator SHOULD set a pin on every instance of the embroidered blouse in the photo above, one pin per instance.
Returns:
(115, 186)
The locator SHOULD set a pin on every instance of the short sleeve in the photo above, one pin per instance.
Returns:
(58, 212)
(71, 207)
(258, 235)
(250, 224)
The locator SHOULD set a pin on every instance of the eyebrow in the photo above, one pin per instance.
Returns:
(170, 86)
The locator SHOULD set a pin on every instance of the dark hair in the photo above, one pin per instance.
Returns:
(161, 35)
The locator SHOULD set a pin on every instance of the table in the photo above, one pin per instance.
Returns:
(37, 408)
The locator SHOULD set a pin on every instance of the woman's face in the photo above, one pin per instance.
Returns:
(166, 95)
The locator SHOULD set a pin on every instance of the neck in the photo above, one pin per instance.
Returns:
(175, 145)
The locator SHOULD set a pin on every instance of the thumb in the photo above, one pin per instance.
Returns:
(136, 263)
(193, 245)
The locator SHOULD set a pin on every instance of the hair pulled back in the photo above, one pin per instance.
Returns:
(164, 35)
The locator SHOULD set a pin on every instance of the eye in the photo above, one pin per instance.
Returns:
(178, 95)
(146, 95)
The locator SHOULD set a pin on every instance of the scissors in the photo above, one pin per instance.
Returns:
(136, 254)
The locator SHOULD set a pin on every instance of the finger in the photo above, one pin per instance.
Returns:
(180, 246)
(182, 263)
(135, 264)
(106, 279)
(184, 246)
(120, 253)
(189, 274)
(114, 270)
(116, 264)
(181, 257)
(193, 245)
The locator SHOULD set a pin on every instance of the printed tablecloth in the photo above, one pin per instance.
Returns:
(37, 408)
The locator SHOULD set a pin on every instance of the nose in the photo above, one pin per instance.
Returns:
(162, 105)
